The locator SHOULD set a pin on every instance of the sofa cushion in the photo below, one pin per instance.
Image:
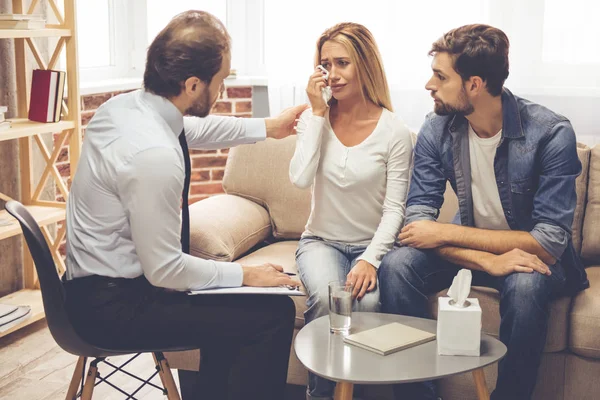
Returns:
(590, 249)
(489, 299)
(450, 206)
(284, 254)
(581, 185)
(260, 172)
(585, 318)
(224, 227)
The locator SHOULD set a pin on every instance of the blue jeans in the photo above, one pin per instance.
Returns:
(409, 275)
(319, 262)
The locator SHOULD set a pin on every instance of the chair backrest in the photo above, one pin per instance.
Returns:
(53, 293)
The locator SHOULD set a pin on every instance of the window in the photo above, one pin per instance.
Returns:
(571, 32)
(403, 30)
(160, 12)
(94, 20)
(103, 40)
(113, 35)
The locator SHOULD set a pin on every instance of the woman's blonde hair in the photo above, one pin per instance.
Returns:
(360, 44)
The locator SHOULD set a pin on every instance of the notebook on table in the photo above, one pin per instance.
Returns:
(390, 338)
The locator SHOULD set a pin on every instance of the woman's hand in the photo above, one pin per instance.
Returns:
(316, 83)
(364, 278)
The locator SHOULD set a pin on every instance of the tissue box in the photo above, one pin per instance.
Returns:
(458, 329)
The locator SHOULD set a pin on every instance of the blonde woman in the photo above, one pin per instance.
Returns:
(356, 154)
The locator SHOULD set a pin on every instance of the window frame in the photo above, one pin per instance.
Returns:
(244, 21)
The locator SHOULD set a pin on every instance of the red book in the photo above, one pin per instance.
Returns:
(43, 95)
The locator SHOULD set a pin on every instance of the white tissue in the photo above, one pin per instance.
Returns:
(459, 319)
(326, 91)
(460, 288)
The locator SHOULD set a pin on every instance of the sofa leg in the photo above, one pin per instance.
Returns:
(343, 391)
(482, 391)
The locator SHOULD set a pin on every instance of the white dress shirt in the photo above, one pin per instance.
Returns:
(123, 212)
(359, 192)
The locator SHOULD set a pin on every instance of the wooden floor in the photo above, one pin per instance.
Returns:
(33, 367)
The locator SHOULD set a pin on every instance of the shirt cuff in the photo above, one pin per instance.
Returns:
(371, 257)
(552, 238)
(232, 275)
(419, 213)
(255, 129)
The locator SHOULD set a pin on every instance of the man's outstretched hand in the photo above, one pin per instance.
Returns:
(283, 125)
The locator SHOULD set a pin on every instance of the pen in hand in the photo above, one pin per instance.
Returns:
(290, 286)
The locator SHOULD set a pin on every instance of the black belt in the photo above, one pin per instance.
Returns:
(99, 281)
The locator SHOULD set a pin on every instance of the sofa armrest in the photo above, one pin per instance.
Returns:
(224, 227)
(585, 318)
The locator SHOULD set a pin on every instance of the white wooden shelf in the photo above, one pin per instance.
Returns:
(29, 297)
(43, 215)
(29, 33)
(22, 127)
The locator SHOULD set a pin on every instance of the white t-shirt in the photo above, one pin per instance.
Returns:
(359, 192)
(487, 208)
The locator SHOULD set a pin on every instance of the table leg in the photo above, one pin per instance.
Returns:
(482, 391)
(343, 390)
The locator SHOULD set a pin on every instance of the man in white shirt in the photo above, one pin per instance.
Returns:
(127, 267)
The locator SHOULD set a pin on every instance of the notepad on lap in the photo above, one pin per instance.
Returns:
(390, 338)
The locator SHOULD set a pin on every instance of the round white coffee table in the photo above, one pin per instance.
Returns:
(326, 355)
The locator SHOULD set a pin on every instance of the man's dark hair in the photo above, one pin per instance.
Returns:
(192, 44)
(477, 50)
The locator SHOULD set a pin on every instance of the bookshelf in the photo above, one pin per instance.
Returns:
(29, 133)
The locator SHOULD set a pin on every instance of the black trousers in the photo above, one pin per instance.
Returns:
(244, 339)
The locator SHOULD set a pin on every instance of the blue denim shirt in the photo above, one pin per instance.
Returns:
(536, 165)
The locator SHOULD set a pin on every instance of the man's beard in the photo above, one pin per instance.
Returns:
(202, 107)
(464, 106)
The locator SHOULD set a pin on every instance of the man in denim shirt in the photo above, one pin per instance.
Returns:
(513, 165)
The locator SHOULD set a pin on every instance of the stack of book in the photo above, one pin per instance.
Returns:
(47, 90)
(22, 21)
(4, 124)
(12, 315)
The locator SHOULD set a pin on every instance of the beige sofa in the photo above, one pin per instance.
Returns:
(262, 216)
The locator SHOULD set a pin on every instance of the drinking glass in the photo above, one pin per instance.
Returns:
(340, 306)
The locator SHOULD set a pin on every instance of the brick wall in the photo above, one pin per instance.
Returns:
(208, 166)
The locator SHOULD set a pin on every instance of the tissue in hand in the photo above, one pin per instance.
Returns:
(326, 91)
(459, 319)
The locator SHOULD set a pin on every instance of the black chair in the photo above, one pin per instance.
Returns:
(53, 296)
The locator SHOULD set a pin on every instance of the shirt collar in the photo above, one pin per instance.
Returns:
(511, 119)
(166, 109)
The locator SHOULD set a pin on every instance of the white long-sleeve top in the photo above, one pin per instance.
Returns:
(123, 211)
(359, 192)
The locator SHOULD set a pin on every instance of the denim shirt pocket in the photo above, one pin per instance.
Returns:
(523, 191)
